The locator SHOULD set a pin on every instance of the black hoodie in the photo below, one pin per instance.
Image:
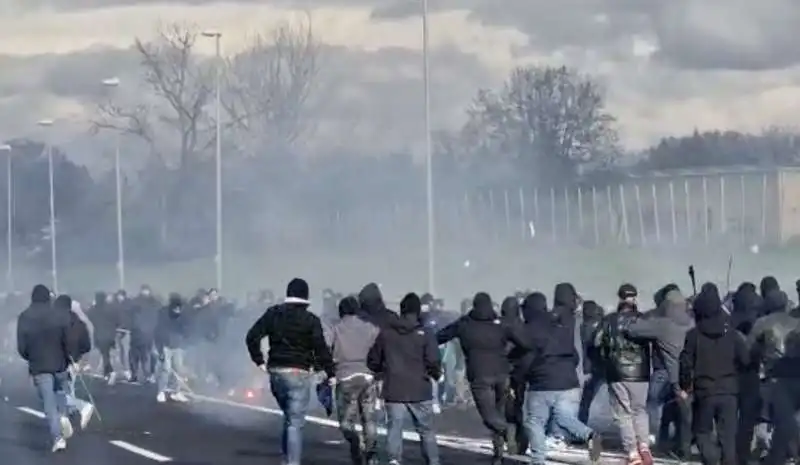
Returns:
(43, 335)
(747, 305)
(565, 304)
(484, 340)
(406, 356)
(713, 354)
(105, 320)
(592, 317)
(372, 304)
(552, 361)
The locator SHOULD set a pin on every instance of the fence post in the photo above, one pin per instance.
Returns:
(612, 218)
(580, 210)
(553, 228)
(723, 219)
(624, 208)
(686, 192)
(507, 206)
(706, 225)
(536, 207)
(567, 214)
(673, 213)
(594, 213)
(743, 210)
(656, 213)
(640, 212)
(764, 206)
(522, 215)
(492, 216)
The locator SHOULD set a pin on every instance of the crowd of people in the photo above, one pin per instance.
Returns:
(700, 370)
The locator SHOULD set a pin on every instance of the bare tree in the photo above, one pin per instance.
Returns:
(269, 85)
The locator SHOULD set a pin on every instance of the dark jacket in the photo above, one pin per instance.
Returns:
(625, 358)
(172, 326)
(484, 340)
(407, 359)
(747, 306)
(565, 304)
(775, 338)
(371, 301)
(592, 316)
(550, 362)
(43, 336)
(296, 339)
(144, 318)
(714, 353)
(78, 339)
(105, 320)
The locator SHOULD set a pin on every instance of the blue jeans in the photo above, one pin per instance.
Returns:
(659, 392)
(560, 406)
(74, 405)
(52, 389)
(292, 391)
(170, 365)
(422, 417)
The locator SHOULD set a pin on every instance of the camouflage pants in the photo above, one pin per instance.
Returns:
(355, 405)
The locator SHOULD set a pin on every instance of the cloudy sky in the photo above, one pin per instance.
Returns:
(668, 66)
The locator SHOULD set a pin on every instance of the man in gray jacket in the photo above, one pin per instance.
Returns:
(351, 339)
(666, 327)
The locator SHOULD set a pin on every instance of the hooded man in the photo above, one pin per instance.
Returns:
(666, 329)
(592, 364)
(80, 344)
(516, 439)
(44, 340)
(407, 359)
(170, 341)
(297, 348)
(144, 317)
(105, 320)
(484, 340)
(712, 358)
(371, 301)
(351, 339)
(123, 338)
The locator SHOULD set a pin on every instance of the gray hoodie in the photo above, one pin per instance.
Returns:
(667, 329)
(350, 339)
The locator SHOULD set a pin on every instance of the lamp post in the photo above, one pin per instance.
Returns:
(217, 36)
(47, 123)
(112, 84)
(428, 154)
(9, 219)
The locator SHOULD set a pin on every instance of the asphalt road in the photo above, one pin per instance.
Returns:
(133, 429)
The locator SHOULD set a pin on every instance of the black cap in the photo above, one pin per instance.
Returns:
(626, 291)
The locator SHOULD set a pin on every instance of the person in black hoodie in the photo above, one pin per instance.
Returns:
(170, 342)
(144, 317)
(297, 348)
(516, 439)
(406, 358)
(484, 340)
(713, 356)
(371, 301)
(43, 340)
(550, 371)
(592, 364)
(105, 320)
(79, 344)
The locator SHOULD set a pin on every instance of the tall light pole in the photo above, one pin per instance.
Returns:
(46, 123)
(428, 154)
(112, 84)
(9, 220)
(217, 36)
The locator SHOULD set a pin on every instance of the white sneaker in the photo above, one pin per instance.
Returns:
(66, 427)
(161, 397)
(112, 378)
(86, 415)
(555, 444)
(59, 445)
(179, 397)
(128, 375)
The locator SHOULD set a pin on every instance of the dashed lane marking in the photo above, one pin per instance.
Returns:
(31, 411)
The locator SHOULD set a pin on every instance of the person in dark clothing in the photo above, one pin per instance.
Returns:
(550, 370)
(516, 438)
(123, 338)
(592, 364)
(44, 341)
(627, 371)
(406, 358)
(713, 356)
(661, 294)
(79, 344)
(170, 341)
(105, 319)
(774, 343)
(144, 317)
(371, 300)
(297, 348)
(484, 340)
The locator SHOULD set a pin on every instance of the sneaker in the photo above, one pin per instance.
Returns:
(86, 415)
(59, 445)
(66, 427)
(161, 397)
(128, 375)
(181, 397)
(555, 444)
(151, 379)
(645, 454)
(595, 444)
(112, 378)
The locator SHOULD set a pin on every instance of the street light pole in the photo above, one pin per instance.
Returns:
(428, 154)
(9, 221)
(53, 252)
(217, 36)
(114, 83)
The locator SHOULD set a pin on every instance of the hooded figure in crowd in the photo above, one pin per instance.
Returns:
(371, 301)
(144, 318)
(80, 344)
(123, 307)
(171, 341)
(516, 439)
(713, 356)
(666, 329)
(592, 364)
(106, 320)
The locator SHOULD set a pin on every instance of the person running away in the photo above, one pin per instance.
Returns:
(592, 365)
(627, 371)
(484, 340)
(297, 348)
(713, 356)
(44, 340)
(170, 342)
(144, 317)
(105, 319)
(516, 438)
(406, 358)
(351, 339)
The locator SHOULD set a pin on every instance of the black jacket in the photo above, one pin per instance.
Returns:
(714, 354)
(624, 358)
(105, 320)
(592, 317)
(484, 340)
(374, 308)
(43, 338)
(774, 340)
(407, 359)
(296, 339)
(551, 361)
(172, 327)
(144, 316)
(79, 342)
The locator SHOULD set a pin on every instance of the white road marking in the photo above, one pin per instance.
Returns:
(31, 411)
(140, 451)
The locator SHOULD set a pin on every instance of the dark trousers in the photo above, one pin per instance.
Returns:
(785, 403)
(677, 411)
(105, 356)
(591, 386)
(516, 437)
(718, 412)
(140, 359)
(750, 404)
(490, 401)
